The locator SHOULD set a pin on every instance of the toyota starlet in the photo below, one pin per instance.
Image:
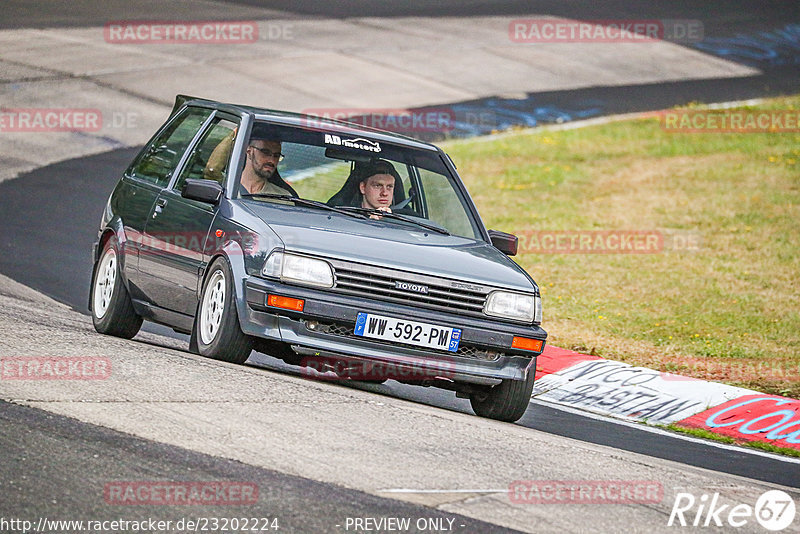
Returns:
(322, 243)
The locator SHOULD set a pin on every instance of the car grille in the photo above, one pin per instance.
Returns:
(464, 351)
(442, 294)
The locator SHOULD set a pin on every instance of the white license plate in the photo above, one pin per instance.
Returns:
(409, 332)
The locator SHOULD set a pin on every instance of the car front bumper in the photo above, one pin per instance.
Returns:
(324, 329)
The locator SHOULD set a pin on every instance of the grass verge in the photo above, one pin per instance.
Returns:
(706, 434)
(720, 301)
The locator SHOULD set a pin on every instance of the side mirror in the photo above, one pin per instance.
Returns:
(207, 191)
(505, 243)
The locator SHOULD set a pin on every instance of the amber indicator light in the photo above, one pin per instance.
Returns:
(287, 303)
(525, 343)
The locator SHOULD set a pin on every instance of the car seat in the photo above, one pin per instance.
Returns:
(350, 194)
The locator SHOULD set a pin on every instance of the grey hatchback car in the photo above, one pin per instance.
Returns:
(353, 252)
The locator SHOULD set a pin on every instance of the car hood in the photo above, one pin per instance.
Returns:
(390, 244)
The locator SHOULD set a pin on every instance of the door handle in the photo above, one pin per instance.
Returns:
(160, 203)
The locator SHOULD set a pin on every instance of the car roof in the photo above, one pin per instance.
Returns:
(289, 118)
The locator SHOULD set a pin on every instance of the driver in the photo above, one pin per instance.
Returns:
(377, 188)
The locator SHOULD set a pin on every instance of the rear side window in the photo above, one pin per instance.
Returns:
(210, 158)
(162, 155)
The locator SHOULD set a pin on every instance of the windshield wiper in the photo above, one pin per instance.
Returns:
(390, 215)
(305, 202)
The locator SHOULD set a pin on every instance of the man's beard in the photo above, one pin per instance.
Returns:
(264, 175)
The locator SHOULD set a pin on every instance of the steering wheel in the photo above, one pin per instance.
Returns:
(403, 203)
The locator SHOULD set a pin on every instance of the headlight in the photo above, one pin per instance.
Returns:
(298, 269)
(516, 306)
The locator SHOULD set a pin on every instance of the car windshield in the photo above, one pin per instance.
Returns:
(355, 173)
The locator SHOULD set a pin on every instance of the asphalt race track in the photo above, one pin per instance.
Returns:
(62, 270)
(91, 455)
(720, 16)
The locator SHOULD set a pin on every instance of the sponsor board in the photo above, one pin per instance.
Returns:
(621, 390)
(554, 359)
(755, 417)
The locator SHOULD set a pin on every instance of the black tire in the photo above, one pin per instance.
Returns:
(218, 334)
(112, 309)
(506, 401)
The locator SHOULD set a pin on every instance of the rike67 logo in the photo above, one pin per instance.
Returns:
(774, 510)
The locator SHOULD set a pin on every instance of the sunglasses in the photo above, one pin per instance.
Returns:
(269, 153)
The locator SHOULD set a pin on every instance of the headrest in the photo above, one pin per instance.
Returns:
(350, 195)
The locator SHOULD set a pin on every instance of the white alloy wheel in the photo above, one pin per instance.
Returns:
(213, 307)
(104, 283)
(113, 312)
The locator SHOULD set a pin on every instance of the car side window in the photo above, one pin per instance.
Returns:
(159, 160)
(445, 206)
(211, 156)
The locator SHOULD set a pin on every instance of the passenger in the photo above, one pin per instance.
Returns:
(260, 173)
